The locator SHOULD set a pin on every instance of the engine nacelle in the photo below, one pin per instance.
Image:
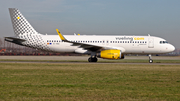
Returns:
(111, 54)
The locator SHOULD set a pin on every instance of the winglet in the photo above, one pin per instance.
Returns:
(60, 35)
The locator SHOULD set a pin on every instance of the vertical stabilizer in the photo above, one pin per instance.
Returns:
(20, 25)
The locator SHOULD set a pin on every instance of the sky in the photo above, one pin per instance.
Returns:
(97, 17)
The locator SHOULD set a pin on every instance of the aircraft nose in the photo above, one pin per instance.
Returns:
(171, 48)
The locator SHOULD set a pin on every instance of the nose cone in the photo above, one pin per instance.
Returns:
(171, 48)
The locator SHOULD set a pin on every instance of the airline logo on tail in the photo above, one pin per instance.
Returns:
(25, 33)
(18, 17)
(20, 24)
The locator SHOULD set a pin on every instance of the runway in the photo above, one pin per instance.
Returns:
(50, 62)
(82, 60)
(83, 57)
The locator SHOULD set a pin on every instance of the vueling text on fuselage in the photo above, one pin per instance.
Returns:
(129, 38)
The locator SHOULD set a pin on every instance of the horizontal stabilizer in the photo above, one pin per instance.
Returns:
(14, 39)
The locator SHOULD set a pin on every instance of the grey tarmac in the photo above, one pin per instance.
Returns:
(68, 59)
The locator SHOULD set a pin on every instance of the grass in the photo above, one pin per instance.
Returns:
(63, 81)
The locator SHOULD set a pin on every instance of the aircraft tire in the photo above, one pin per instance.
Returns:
(92, 59)
(150, 61)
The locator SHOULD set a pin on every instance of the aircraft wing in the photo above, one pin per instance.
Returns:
(89, 47)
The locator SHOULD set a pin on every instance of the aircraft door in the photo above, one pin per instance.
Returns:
(150, 43)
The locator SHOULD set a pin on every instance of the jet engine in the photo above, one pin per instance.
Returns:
(111, 54)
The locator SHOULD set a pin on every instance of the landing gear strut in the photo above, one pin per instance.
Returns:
(150, 59)
(92, 59)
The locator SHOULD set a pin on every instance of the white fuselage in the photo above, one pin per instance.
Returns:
(128, 44)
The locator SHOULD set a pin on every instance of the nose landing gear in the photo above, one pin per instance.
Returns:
(150, 59)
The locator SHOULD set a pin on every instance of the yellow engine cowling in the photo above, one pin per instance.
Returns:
(111, 54)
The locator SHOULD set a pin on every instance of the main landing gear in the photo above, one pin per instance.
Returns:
(150, 59)
(92, 59)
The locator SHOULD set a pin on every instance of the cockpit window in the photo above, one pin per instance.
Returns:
(163, 42)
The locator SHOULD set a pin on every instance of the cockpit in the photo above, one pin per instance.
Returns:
(163, 42)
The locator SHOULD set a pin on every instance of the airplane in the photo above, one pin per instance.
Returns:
(98, 46)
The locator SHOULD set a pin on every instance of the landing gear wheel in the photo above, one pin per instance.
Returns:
(150, 61)
(89, 59)
(92, 59)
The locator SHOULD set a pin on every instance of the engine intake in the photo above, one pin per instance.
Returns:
(110, 54)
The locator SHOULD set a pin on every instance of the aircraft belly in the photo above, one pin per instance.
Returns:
(62, 49)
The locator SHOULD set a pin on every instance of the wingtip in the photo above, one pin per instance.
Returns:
(60, 35)
(57, 31)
